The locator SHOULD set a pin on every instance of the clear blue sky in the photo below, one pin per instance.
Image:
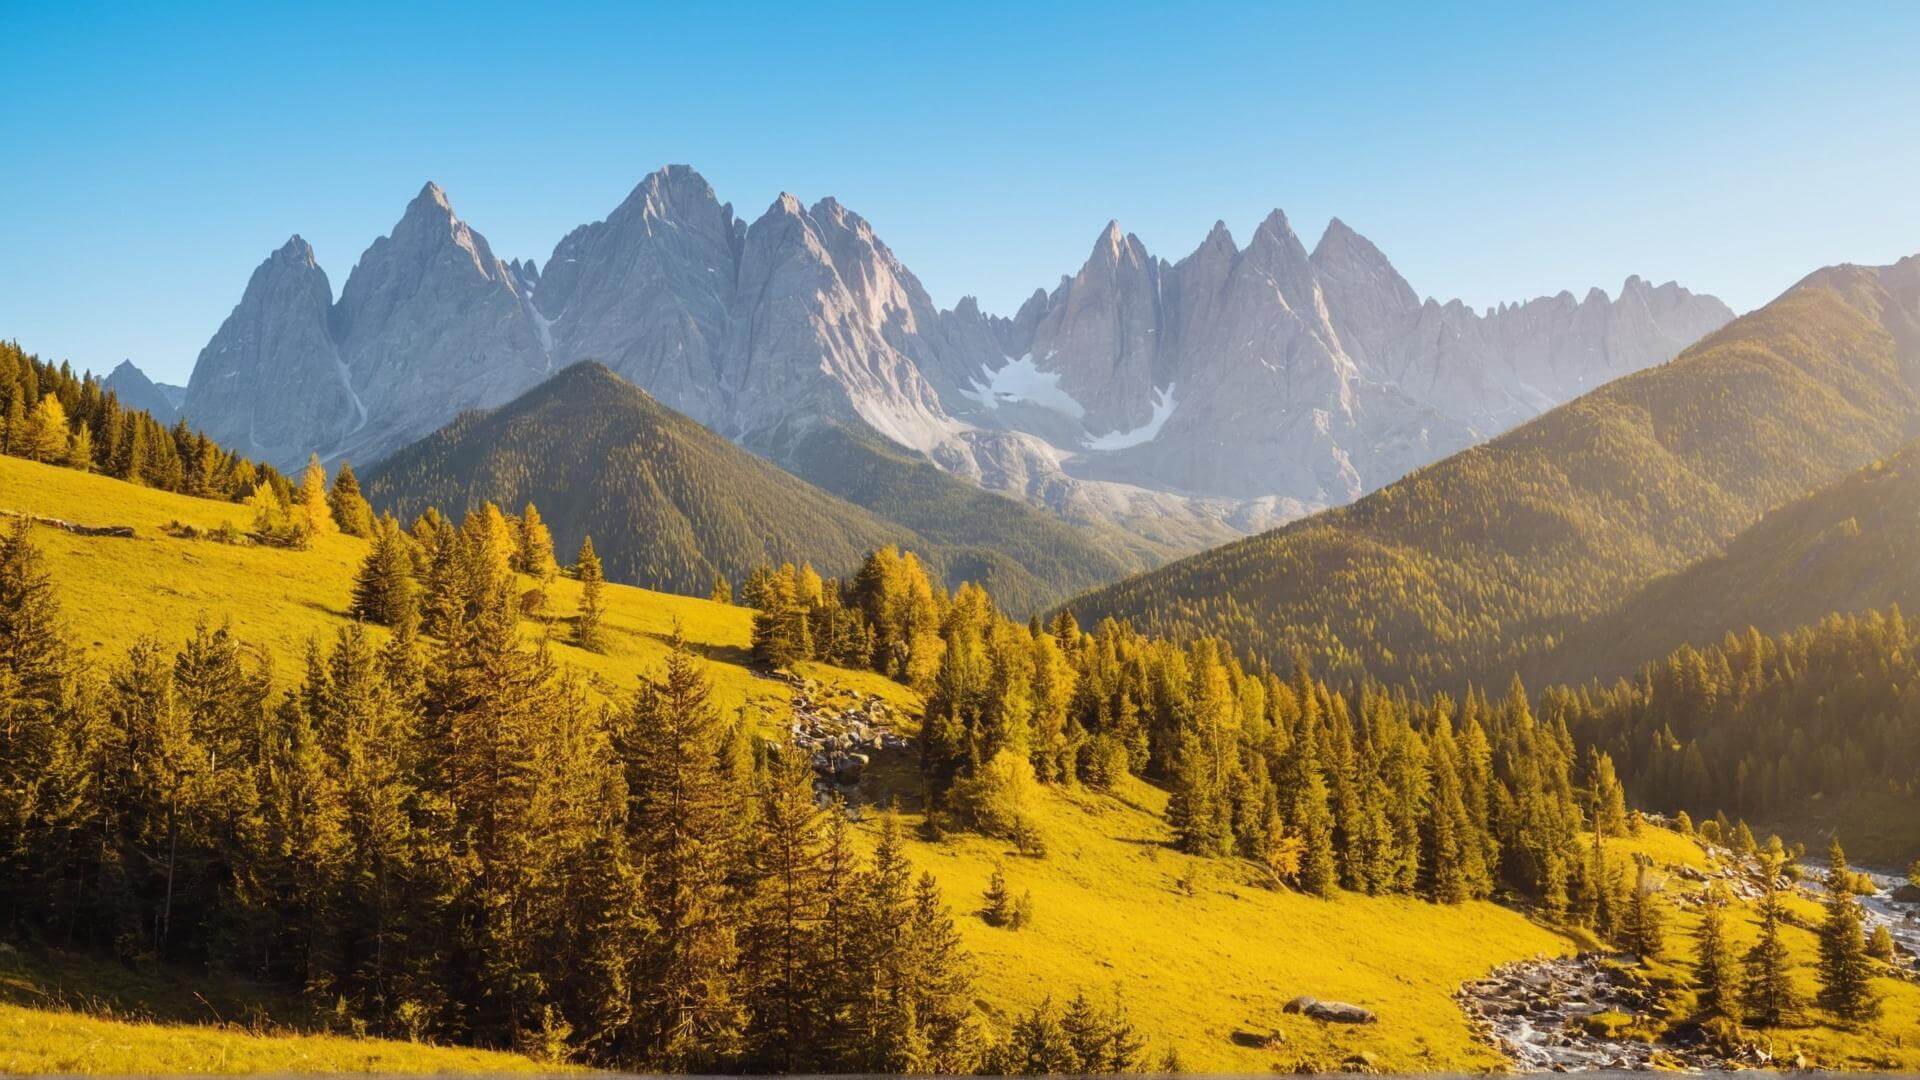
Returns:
(154, 154)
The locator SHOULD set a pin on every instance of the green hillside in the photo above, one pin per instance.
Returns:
(668, 503)
(1027, 558)
(1464, 570)
(1115, 906)
(1846, 548)
(1202, 950)
(671, 505)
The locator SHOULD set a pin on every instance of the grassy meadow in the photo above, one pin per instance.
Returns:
(1202, 953)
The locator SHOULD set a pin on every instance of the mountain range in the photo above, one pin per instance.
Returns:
(1508, 557)
(1189, 402)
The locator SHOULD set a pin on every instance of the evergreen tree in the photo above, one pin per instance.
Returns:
(311, 509)
(350, 509)
(1845, 968)
(586, 630)
(383, 590)
(1769, 995)
(1646, 919)
(46, 435)
(783, 958)
(722, 592)
(1715, 974)
(534, 549)
(683, 823)
(999, 909)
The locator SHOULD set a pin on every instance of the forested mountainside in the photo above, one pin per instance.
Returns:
(1848, 548)
(1465, 570)
(1818, 726)
(674, 506)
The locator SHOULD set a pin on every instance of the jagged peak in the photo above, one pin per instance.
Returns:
(1341, 239)
(295, 248)
(432, 201)
(658, 191)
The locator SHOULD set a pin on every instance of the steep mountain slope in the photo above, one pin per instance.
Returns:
(1463, 570)
(670, 504)
(1846, 548)
(1187, 402)
(136, 391)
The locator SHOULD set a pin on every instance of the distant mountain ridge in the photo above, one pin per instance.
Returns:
(1190, 401)
(136, 391)
(1484, 563)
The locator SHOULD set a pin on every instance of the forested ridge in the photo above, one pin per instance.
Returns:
(1846, 548)
(1767, 726)
(673, 506)
(1470, 569)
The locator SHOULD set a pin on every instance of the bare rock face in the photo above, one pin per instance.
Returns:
(431, 324)
(1227, 391)
(650, 292)
(1313, 377)
(271, 382)
(135, 391)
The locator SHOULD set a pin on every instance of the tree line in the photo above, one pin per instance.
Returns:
(1763, 723)
(51, 415)
(1357, 787)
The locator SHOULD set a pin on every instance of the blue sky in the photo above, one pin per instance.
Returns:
(154, 154)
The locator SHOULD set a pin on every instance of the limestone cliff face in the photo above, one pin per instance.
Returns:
(1236, 385)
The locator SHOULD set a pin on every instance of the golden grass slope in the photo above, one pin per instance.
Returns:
(1204, 956)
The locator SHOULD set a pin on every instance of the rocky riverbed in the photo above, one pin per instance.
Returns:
(1580, 1013)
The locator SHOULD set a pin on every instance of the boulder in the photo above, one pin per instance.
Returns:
(1908, 893)
(1332, 1012)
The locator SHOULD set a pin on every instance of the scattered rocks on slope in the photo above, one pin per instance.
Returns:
(843, 742)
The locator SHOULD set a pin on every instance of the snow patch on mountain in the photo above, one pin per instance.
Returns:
(1022, 381)
(1163, 404)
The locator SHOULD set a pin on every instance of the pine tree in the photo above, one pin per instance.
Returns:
(586, 629)
(999, 909)
(722, 590)
(350, 509)
(383, 590)
(1715, 974)
(1845, 968)
(534, 555)
(782, 956)
(683, 823)
(1769, 995)
(46, 432)
(1880, 944)
(1086, 1034)
(1646, 917)
(80, 450)
(34, 668)
(310, 507)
